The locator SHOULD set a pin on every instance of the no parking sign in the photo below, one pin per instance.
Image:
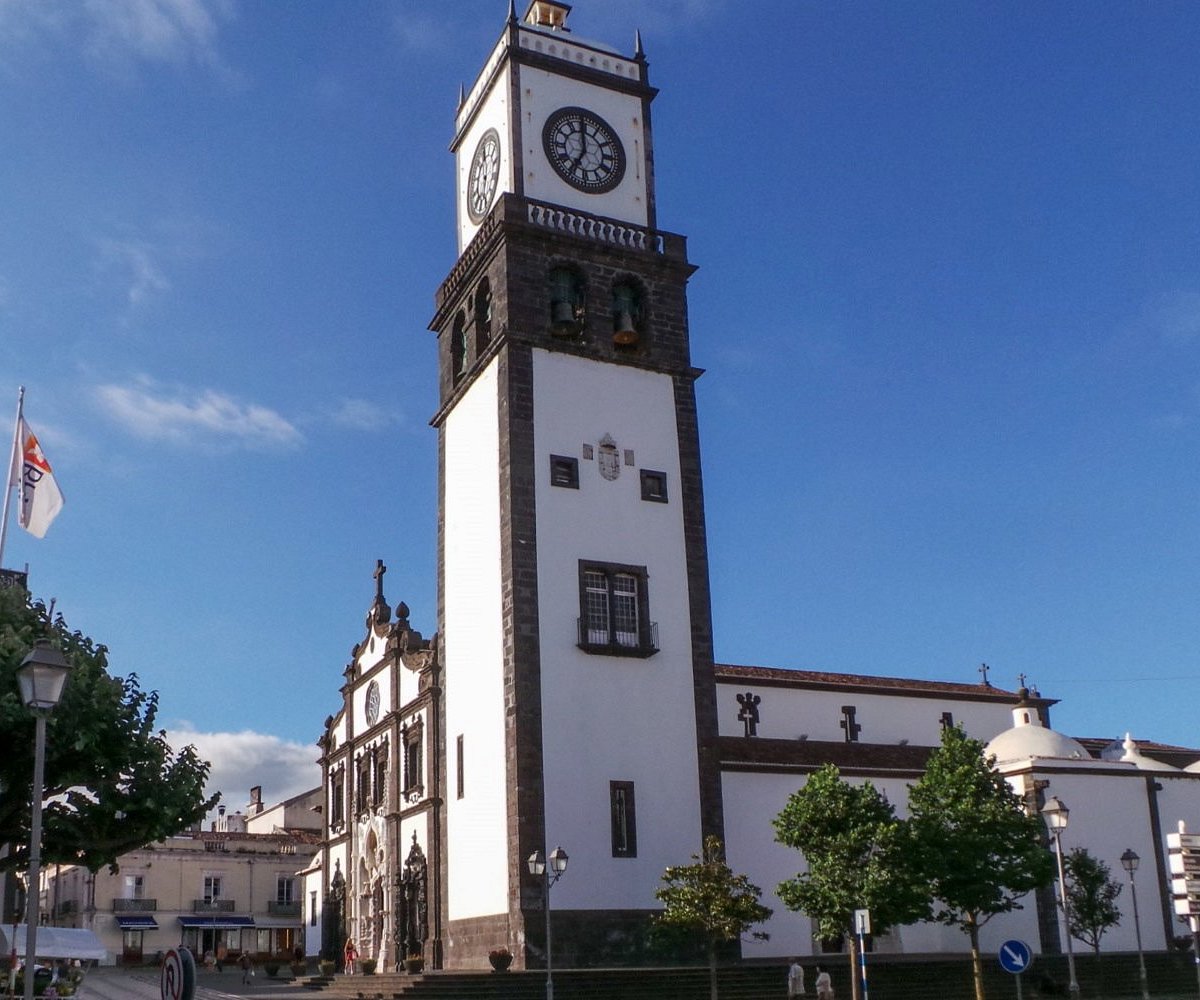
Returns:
(177, 980)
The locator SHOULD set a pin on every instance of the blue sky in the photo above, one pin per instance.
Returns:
(948, 303)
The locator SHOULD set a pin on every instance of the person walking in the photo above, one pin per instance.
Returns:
(824, 985)
(245, 965)
(350, 954)
(795, 979)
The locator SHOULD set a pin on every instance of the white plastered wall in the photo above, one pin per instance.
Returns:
(612, 718)
(543, 93)
(473, 655)
(494, 113)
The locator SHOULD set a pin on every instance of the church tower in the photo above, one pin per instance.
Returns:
(574, 613)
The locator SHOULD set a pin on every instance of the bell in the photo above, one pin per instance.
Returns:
(624, 332)
(562, 318)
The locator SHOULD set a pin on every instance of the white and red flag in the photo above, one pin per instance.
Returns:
(40, 497)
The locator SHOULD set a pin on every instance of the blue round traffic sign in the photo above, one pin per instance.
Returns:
(1015, 956)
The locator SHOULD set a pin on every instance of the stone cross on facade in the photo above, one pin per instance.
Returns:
(851, 728)
(380, 569)
(748, 714)
(1020, 680)
(983, 672)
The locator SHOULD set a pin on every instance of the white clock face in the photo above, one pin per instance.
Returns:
(485, 172)
(584, 149)
(372, 703)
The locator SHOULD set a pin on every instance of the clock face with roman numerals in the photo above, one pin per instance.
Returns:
(485, 171)
(584, 149)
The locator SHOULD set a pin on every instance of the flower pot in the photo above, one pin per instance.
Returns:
(414, 965)
(500, 962)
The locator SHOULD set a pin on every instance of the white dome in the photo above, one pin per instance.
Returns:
(1127, 751)
(1022, 742)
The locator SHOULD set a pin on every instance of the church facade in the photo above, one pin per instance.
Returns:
(569, 696)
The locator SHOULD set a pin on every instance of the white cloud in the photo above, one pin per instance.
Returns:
(154, 412)
(134, 264)
(363, 415)
(242, 760)
(1176, 316)
(121, 33)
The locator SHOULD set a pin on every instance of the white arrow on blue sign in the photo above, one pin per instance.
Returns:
(1015, 956)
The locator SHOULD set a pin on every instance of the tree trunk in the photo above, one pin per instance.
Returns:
(976, 961)
(712, 971)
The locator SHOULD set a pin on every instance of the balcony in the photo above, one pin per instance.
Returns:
(608, 642)
(66, 907)
(282, 909)
(134, 905)
(212, 905)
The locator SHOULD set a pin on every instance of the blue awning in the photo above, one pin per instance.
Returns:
(136, 922)
(217, 921)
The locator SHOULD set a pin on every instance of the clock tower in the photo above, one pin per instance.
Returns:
(574, 616)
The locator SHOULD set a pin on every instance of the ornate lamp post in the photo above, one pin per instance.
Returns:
(537, 868)
(41, 677)
(1129, 861)
(1055, 813)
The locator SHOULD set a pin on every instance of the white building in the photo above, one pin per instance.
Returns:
(569, 696)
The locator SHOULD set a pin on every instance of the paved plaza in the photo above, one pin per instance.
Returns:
(143, 984)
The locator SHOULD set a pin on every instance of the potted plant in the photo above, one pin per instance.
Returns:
(271, 967)
(500, 958)
(368, 966)
(414, 963)
(327, 966)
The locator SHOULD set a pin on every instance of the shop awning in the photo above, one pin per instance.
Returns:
(278, 921)
(55, 942)
(136, 922)
(219, 922)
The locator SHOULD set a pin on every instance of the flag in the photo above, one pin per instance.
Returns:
(41, 499)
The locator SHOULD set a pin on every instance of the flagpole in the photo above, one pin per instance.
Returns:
(12, 464)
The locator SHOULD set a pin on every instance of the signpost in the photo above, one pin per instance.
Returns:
(1015, 957)
(862, 927)
(1183, 855)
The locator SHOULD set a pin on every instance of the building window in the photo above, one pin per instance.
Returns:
(654, 486)
(483, 316)
(380, 784)
(312, 908)
(566, 301)
(135, 887)
(458, 347)
(285, 889)
(564, 472)
(624, 819)
(613, 609)
(212, 888)
(362, 792)
(626, 314)
(413, 769)
(458, 754)
(337, 797)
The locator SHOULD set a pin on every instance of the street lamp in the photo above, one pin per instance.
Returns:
(537, 868)
(41, 677)
(1055, 813)
(1129, 861)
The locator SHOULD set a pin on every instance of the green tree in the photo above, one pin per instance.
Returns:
(858, 857)
(112, 781)
(707, 899)
(978, 847)
(1093, 894)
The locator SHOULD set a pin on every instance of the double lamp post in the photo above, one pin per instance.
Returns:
(548, 876)
(41, 678)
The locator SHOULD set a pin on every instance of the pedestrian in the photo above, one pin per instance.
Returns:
(795, 979)
(824, 985)
(222, 954)
(350, 954)
(244, 965)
